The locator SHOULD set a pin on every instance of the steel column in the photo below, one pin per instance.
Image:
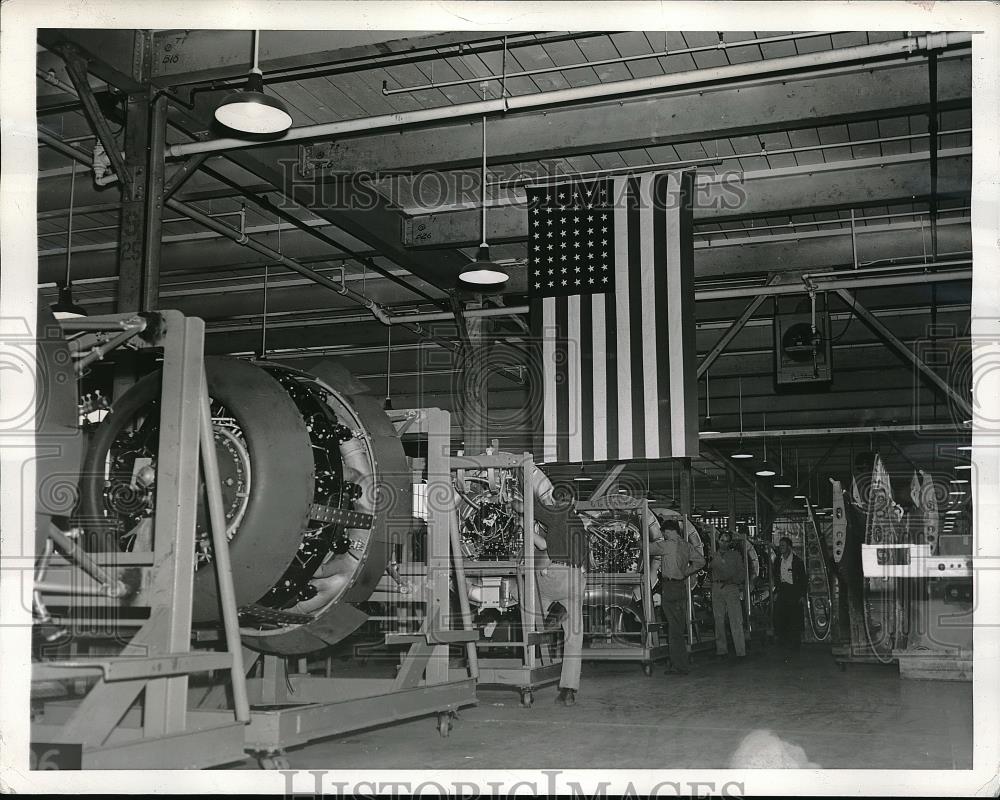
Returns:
(153, 221)
(899, 347)
(686, 498)
(132, 217)
(731, 496)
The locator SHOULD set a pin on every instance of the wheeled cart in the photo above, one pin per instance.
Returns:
(619, 615)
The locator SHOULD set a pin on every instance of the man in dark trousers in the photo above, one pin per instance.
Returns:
(679, 561)
(790, 587)
(560, 574)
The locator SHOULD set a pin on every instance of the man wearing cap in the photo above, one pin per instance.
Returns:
(679, 561)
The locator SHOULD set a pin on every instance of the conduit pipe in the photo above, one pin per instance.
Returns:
(816, 279)
(634, 86)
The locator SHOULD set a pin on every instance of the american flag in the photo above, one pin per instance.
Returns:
(611, 282)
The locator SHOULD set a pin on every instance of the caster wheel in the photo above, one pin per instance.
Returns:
(444, 724)
(527, 698)
(647, 669)
(274, 761)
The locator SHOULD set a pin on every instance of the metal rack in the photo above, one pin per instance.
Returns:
(644, 646)
(135, 713)
(536, 664)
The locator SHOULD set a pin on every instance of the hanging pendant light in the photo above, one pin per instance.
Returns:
(707, 426)
(483, 274)
(765, 470)
(741, 452)
(64, 307)
(249, 110)
(782, 482)
(582, 476)
(799, 496)
(387, 403)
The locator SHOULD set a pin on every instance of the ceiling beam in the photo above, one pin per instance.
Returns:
(362, 214)
(196, 56)
(821, 187)
(796, 102)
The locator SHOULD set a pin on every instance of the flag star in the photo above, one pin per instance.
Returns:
(577, 281)
(539, 286)
(590, 230)
(563, 270)
(576, 231)
(590, 217)
(576, 219)
(548, 222)
(605, 253)
(604, 267)
(551, 284)
(576, 257)
(604, 216)
(549, 234)
(562, 219)
(604, 279)
(564, 282)
(591, 267)
(562, 257)
(549, 246)
(590, 243)
(562, 195)
(576, 243)
(604, 229)
(591, 280)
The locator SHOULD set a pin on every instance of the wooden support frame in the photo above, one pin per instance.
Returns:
(155, 664)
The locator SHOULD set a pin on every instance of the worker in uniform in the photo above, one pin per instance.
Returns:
(728, 576)
(561, 557)
(790, 585)
(679, 560)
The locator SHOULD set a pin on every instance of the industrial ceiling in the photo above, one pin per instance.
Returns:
(832, 159)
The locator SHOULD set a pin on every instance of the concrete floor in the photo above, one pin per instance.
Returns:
(866, 717)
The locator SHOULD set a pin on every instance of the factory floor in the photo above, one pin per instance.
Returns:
(864, 717)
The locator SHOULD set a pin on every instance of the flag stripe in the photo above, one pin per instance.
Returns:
(650, 406)
(562, 380)
(662, 338)
(625, 449)
(611, 331)
(587, 377)
(549, 376)
(599, 387)
(680, 335)
(634, 333)
(573, 339)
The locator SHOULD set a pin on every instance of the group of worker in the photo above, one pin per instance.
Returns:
(560, 540)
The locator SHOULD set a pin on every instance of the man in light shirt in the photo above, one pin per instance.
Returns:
(790, 585)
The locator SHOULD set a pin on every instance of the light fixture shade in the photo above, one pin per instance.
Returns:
(252, 111)
(765, 470)
(64, 307)
(963, 466)
(707, 426)
(582, 476)
(741, 452)
(782, 483)
(483, 273)
(798, 497)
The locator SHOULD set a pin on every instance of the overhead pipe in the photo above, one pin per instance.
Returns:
(754, 291)
(604, 62)
(906, 46)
